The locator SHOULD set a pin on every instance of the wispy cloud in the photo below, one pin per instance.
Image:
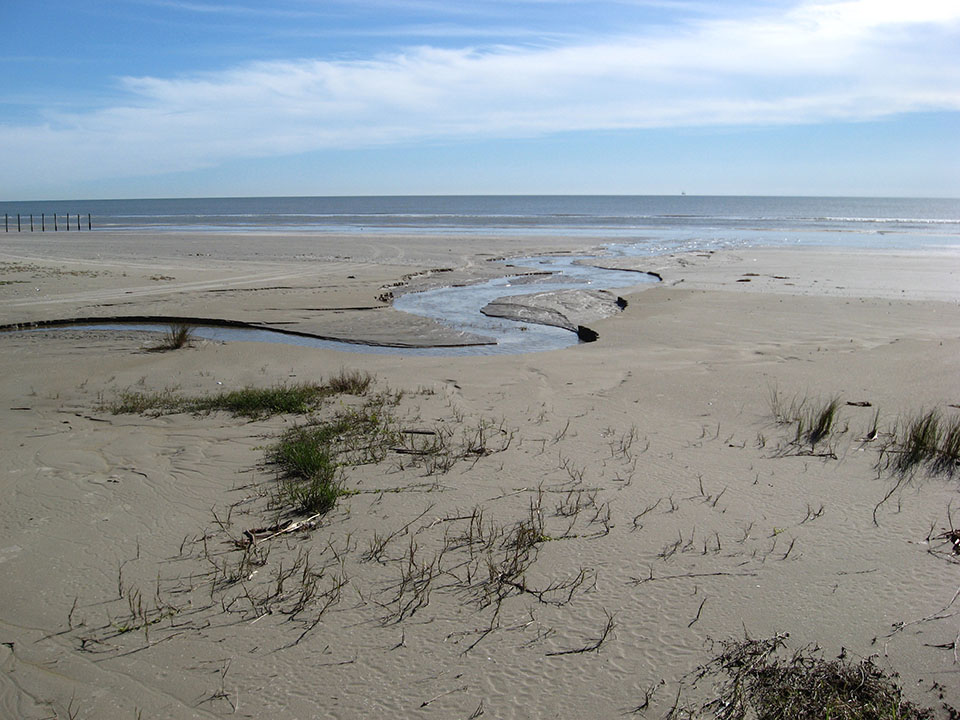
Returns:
(813, 62)
(231, 9)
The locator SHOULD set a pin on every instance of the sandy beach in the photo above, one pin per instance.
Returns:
(147, 572)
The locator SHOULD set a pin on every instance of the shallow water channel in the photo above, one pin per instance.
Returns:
(457, 307)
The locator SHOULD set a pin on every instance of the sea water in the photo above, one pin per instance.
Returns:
(645, 220)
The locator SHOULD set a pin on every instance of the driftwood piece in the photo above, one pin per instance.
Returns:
(262, 534)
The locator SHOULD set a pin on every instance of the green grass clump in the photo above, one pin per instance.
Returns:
(299, 454)
(310, 483)
(347, 433)
(761, 681)
(926, 440)
(311, 497)
(310, 456)
(350, 382)
(137, 403)
(262, 402)
(251, 402)
(918, 441)
(816, 422)
(948, 452)
(178, 335)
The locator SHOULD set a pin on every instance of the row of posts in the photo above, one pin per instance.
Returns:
(43, 222)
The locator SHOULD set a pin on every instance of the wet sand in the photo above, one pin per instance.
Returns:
(670, 499)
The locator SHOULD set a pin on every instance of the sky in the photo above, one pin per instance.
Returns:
(213, 98)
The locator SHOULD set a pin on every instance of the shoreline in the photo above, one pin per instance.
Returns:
(673, 503)
(349, 298)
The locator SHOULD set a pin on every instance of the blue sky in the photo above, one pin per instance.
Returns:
(168, 98)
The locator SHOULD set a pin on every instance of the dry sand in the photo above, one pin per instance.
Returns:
(671, 500)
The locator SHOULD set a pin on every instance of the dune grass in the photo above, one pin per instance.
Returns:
(178, 335)
(350, 382)
(262, 402)
(926, 441)
(785, 412)
(247, 402)
(310, 457)
(948, 450)
(815, 420)
(138, 403)
(310, 482)
(250, 402)
(299, 454)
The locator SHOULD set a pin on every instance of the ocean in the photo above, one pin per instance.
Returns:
(651, 223)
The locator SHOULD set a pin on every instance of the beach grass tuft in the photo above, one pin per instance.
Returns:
(350, 382)
(178, 335)
(948, 453)
(250, 402)
(138, 403)
(925, 440)
(785, 411)
(310, 497)
(815, 422)
(300, 454)
(309, 482)
(309, 457)
(253, 402)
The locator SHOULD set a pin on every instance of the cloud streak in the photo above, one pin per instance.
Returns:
(815, 62)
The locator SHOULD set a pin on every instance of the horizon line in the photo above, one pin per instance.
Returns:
(485, 195)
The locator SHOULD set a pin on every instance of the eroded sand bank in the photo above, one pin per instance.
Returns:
(670, 499)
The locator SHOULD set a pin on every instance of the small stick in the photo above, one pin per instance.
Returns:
(700, 610)
(295, 525)
(448, 692)
(476, 642)
(885, 498)
(640, 581)
(935, 616)
(608, 628)
(644, 512)
(789, 549)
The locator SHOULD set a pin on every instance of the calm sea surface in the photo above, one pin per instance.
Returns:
(652, 223)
